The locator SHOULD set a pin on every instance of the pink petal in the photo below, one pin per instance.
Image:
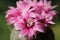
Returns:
(20, 19)
(10, 13)
(18, 4)
(25, 15)
(11, 20)
(38, 28)
(31, 32)
(12, 8)
(43, 14)
(22, 5)
(45, 1)
(40, 3)
(19, 26)
(34, 1)
(16, 26)
(49, 3)
(32, 9)
(33, 15)
(51, 22)
(25, 0)
(54, 7)
(53, 13)
(23, 33)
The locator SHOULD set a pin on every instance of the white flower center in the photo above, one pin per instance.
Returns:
(30, 23)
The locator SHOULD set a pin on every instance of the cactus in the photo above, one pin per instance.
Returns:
(14, 35)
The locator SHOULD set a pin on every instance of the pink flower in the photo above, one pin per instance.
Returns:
(31, 16)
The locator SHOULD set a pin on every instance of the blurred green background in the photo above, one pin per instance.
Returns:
(5, 31)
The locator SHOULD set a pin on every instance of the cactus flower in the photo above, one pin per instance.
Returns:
(30, 16)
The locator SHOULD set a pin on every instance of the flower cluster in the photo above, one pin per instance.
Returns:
(31, 16)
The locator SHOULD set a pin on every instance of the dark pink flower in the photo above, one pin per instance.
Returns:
(31, 16)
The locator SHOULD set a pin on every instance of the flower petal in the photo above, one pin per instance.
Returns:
(54, 7)
(51, 22)
(38, 27)
(31, 32)
(23, 33)
(19, 26)
(33, 15)
(11, 20)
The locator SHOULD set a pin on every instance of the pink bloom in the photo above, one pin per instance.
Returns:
(31, 16)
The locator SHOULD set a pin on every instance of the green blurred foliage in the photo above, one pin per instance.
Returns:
(4, 30)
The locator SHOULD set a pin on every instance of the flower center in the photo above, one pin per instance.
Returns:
(30, 23)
